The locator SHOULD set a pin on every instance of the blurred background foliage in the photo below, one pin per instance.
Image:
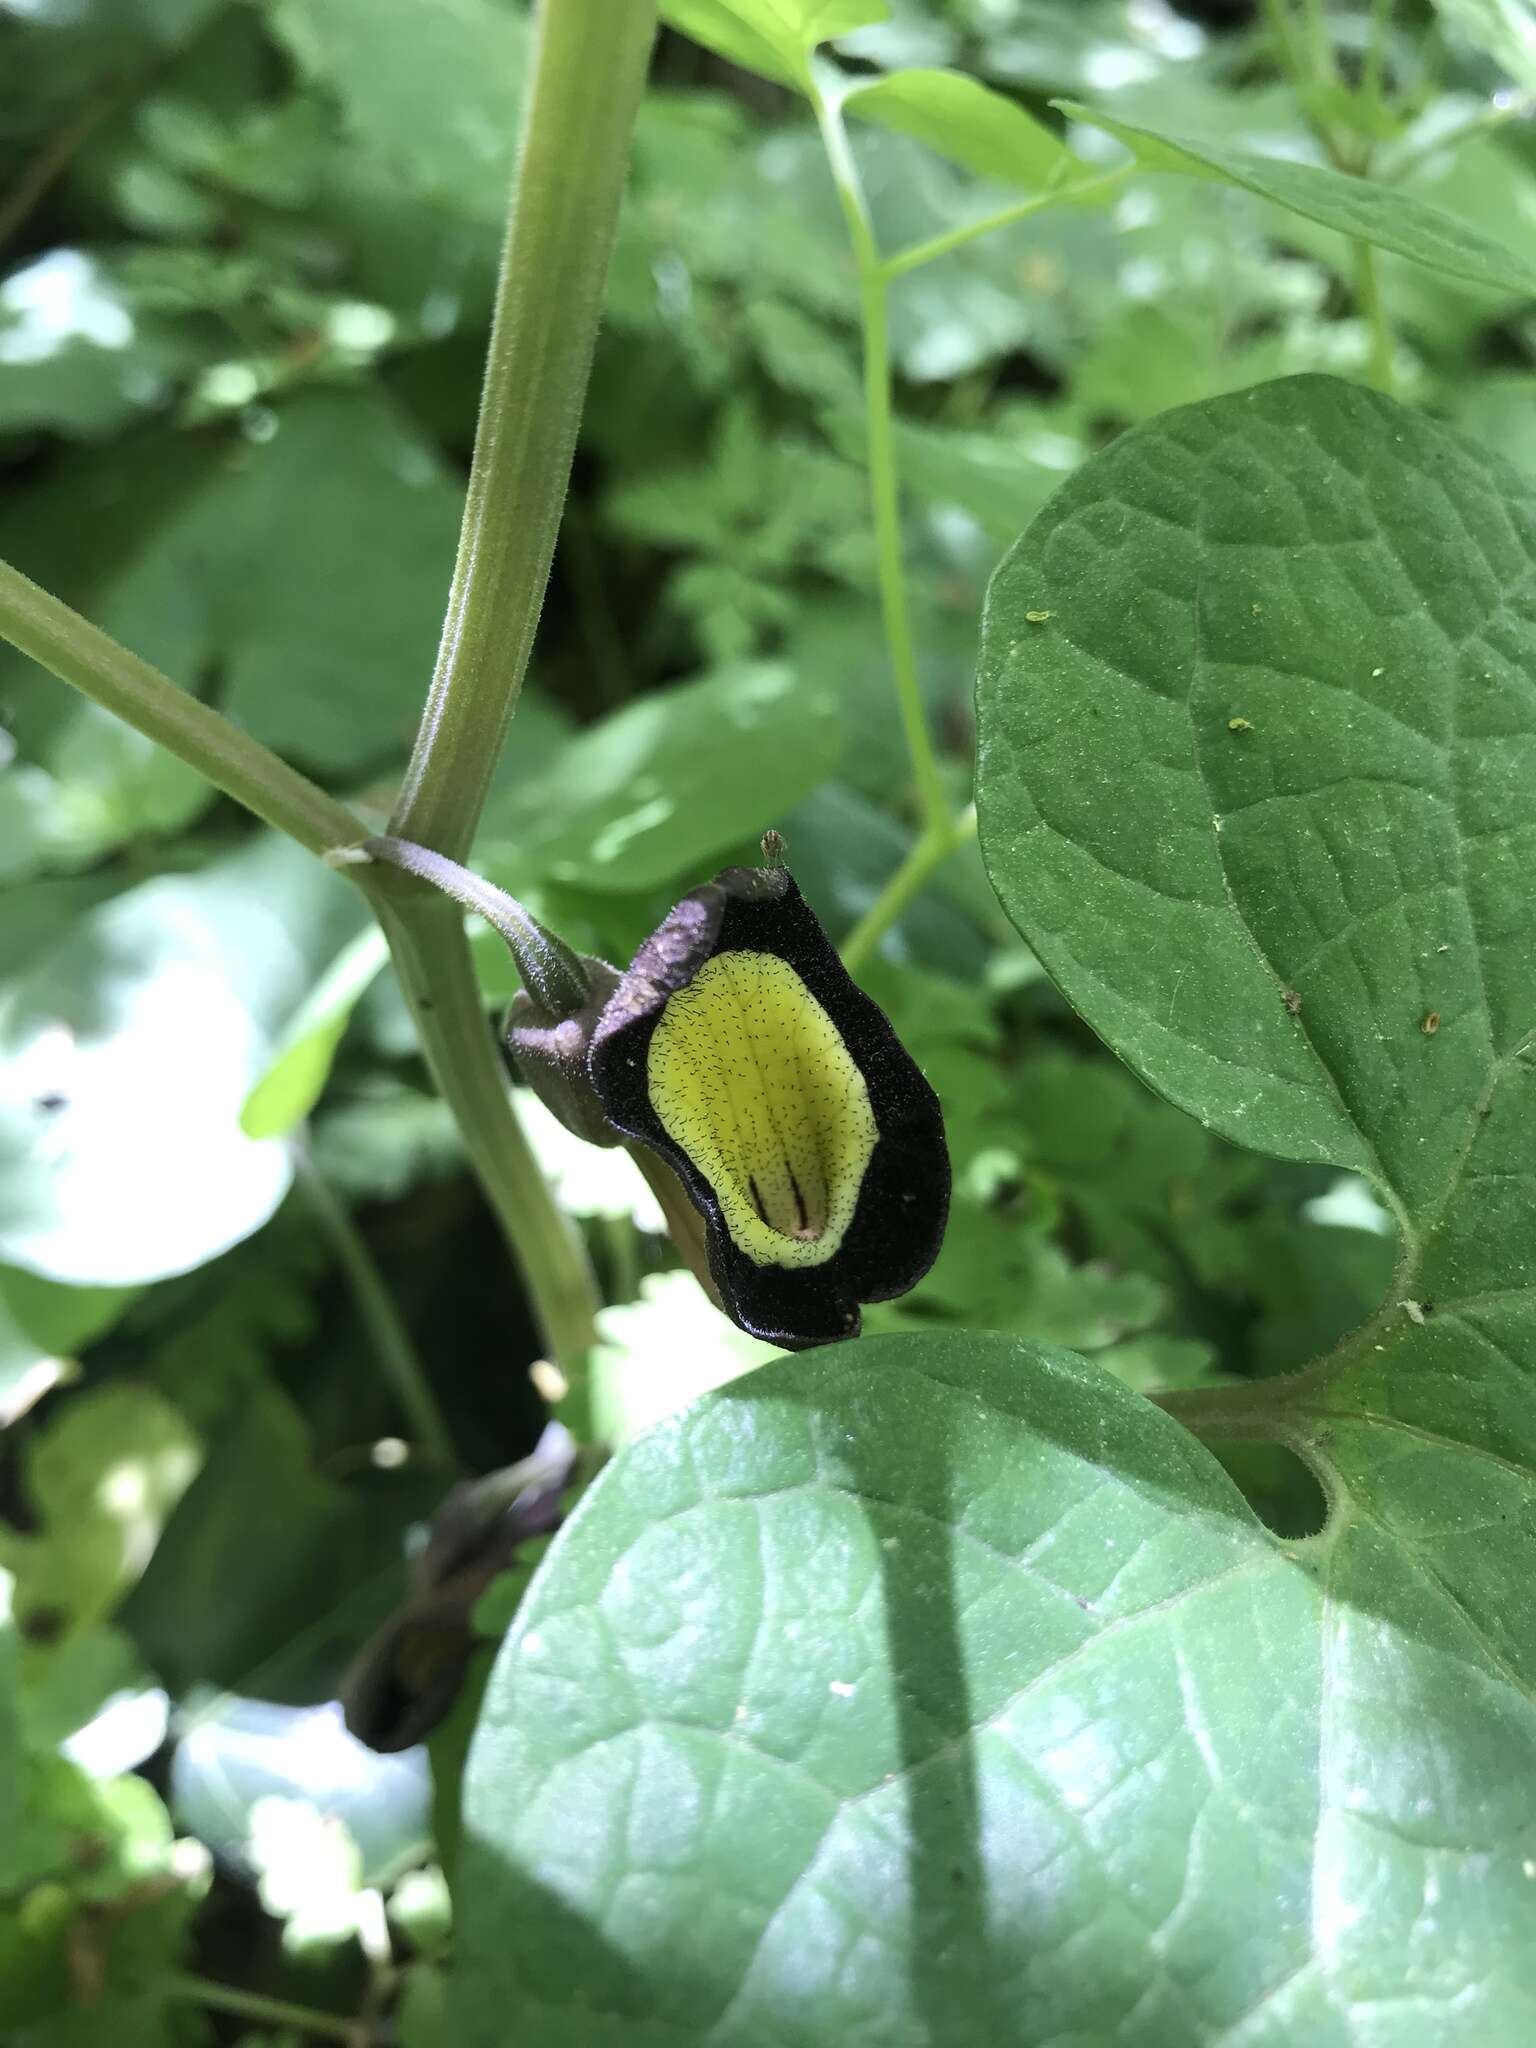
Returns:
(246, 259)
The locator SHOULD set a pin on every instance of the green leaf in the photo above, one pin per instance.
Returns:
(78, 357)
(666, 784)
(1355, 207)
(301, 1066)
(932, 1625)
(28, 1369)
(1297, 558)
(90, 784)
(770, 36)
(127, 1052)
(966, 122)
(101, 1479)
(432, 93)
(305, 567)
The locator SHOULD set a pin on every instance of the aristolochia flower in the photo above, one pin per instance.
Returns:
(739, 1048)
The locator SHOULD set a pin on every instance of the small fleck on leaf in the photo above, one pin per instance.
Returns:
(1430, 1024)
(1291, 1000)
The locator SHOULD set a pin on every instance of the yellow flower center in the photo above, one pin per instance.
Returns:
(750, 1076)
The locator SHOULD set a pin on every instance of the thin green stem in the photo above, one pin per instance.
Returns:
(392, 1342)
(884, 489)
(589, 67)
(432, 958)
(1278, 15)
(1320, 58)
(926, 853)
(93, 663)
(1038, 202)
(271, 2012)
(1374, 312)
(1373, 70)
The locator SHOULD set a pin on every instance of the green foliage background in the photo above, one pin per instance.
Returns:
(248, 253)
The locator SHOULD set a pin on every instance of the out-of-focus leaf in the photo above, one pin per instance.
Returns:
(968, 123)
(76, 356)
(233, 1753)
(421, 1907)
(845, 851)
(93, 1893)
(1500, 411)
(1354, 206)
(28, 1368)
(670, 781)
(260, 1545)
(92, 1698)
(294, 1082)
(307, 566)
(663, 1350)
(128, 1052)
(380, 1140)
(588, 1180)
(90, 785)
(101, 1480)
(423, 2016)
(433, 93)
(209, 1337)
(1504, 30)
(770, 36)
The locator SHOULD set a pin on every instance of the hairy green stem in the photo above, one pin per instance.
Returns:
(271, 2012)
(589, 67)
(925, 854)
(1039, 202)
(432, 958)
(1374, 313)
(884, 490)
(93, 663)
(392, 1342)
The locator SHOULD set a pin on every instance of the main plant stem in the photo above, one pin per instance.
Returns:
(589, 67)
(432, 959)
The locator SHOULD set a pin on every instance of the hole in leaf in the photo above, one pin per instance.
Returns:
(1280, 1487)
